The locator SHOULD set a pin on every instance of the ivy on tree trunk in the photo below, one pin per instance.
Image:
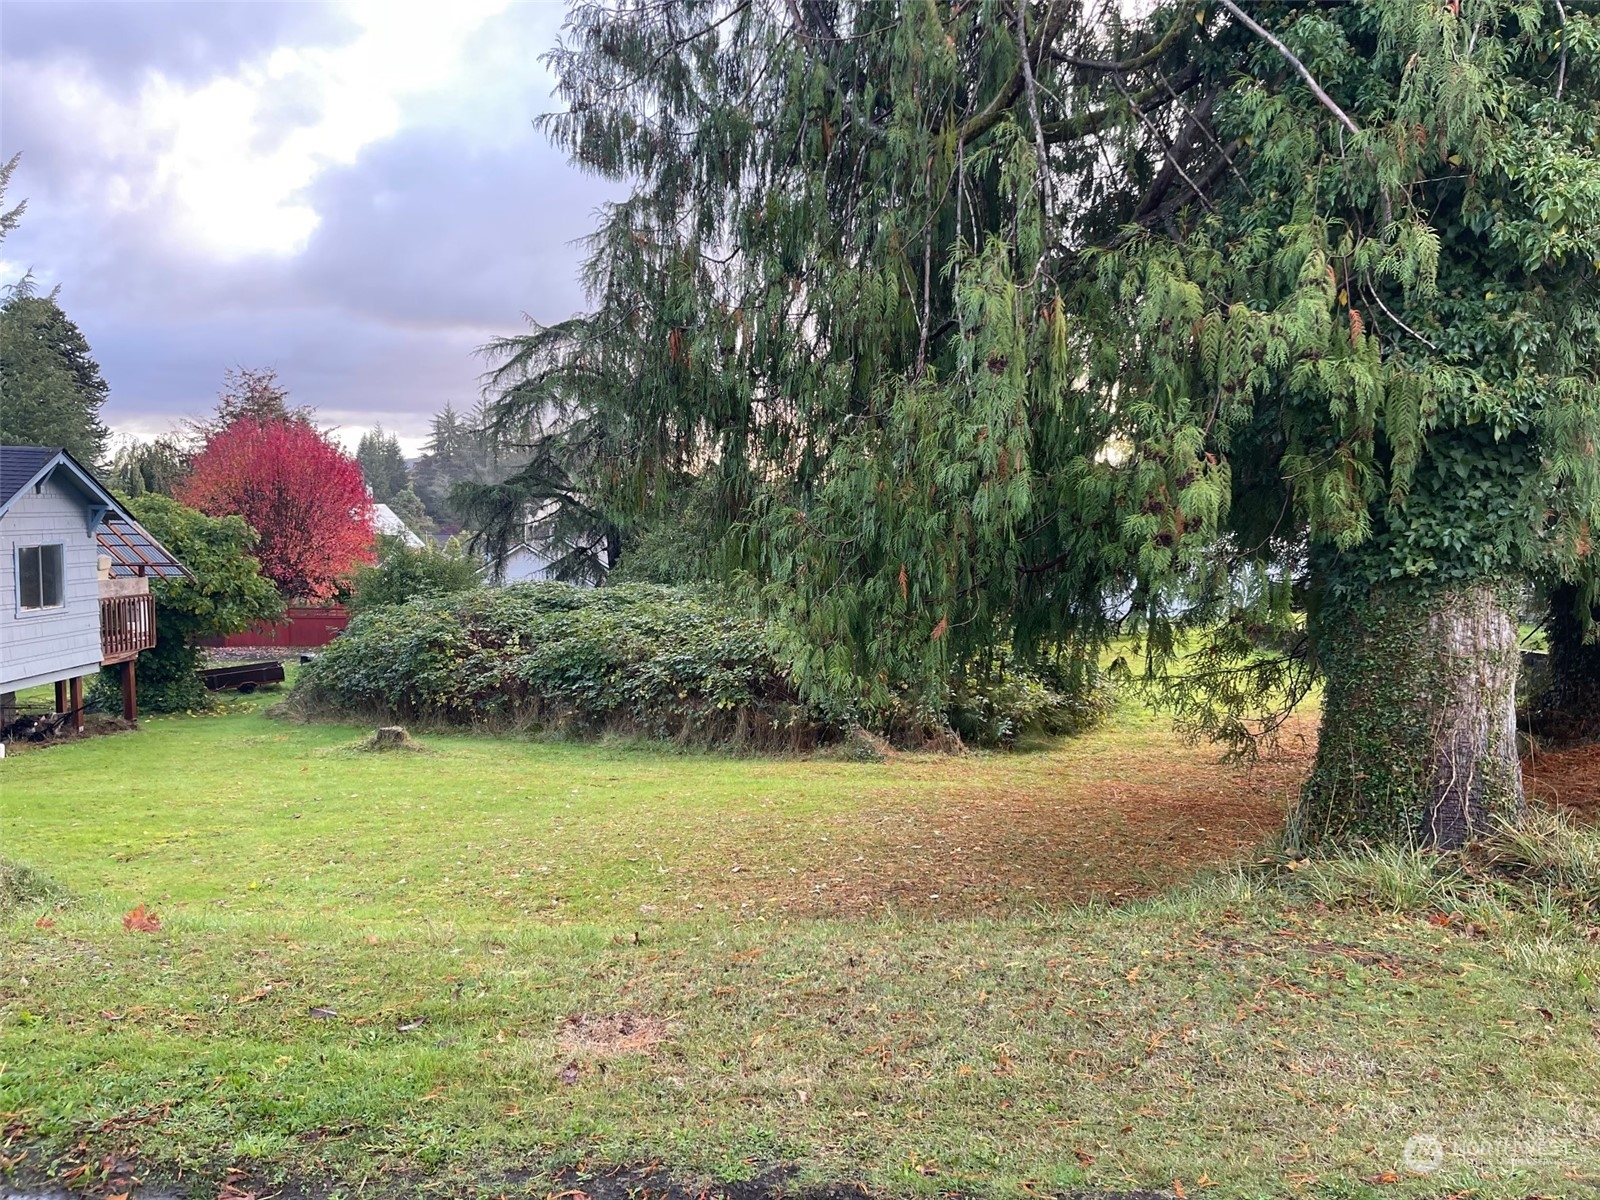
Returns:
(1418, 743)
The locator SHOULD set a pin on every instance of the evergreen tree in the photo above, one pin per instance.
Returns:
(251, 394)
(407, 505)
(158, 466)
(447, 459)
(51, 391)
(1017, 319)
(9, 217)
(382, 464)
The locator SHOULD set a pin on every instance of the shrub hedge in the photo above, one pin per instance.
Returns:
(641, 659)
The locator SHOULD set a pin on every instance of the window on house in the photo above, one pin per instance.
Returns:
(40, 576)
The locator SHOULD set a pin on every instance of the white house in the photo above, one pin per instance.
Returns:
(523, 563)
(75, 572)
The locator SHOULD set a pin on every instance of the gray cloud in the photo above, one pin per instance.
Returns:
(121, 41)
(429, 243)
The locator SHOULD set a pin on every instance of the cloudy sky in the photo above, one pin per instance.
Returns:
(353, 194)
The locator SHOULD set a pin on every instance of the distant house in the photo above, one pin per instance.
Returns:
(523, 563)
(387, 522)
(75, 571)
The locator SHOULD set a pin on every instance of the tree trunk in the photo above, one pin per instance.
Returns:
(1569, 707)
(1419, 737)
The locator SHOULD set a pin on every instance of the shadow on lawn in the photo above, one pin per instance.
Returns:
(117, 1179)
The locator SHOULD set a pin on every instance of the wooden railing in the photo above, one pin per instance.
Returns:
(127, 626)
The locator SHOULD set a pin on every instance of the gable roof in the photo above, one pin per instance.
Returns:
(19, 467)
(128, 544)
(23, 466)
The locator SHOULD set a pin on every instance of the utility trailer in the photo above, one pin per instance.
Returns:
(242, 677)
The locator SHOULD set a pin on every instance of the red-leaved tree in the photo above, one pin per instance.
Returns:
(298, 490)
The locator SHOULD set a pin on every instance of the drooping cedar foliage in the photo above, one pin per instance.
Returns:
(1005, 317)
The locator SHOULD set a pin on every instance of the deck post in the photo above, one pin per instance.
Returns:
(61, 695)
(130, 692)
(75, 692)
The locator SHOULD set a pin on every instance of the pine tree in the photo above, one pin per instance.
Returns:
(51, 391)
(1033, 322)
(382, 464)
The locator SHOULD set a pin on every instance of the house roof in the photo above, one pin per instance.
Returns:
(21, 466)
(386, 521)
(128, 544)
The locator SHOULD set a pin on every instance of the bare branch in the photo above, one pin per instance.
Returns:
(1561, 73)
(1327, 101)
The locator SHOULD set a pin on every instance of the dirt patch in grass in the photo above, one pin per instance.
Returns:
(607, 1034)
(1088, 822)
(1566, 780)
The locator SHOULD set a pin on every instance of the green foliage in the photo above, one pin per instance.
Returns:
(404, 572)
(228, 594)
(460, 449)
(663, 662)
(51, 385)
(998, 706)
(383, 465)
(158, 465)
(1341, 333)
(408, 506)
(12, 217)
(636, 658)
(674, 546)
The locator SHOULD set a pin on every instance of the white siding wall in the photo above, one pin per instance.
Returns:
(59, 643)
(523, 565)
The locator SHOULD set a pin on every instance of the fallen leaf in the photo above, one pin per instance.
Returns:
(107, 1015)
(1133, 975)
(322, 1013)
(1384, 1177)
(569, 1074)
(1085, 1159)
(1177, 1190)
(408, 1026)
(45, 923)
(140, 921)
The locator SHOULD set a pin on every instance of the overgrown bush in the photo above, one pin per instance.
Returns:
(404, 572)
(997, 707)
(226, 593)
(663, 662)
(635, 659)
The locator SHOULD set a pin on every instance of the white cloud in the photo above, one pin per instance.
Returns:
(228, 161)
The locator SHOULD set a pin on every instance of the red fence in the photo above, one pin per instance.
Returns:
(302, 626)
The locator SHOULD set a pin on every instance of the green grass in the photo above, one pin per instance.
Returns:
(862, 972)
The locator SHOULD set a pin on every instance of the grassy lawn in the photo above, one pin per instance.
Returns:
(466, 970)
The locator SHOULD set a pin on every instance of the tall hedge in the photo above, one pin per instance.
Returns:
(682, 663)
(636, 658)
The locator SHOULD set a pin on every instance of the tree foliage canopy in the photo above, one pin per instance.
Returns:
(51, 390)
(1023, 318)
(227, 594)
(382, 464)
(301, 494)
